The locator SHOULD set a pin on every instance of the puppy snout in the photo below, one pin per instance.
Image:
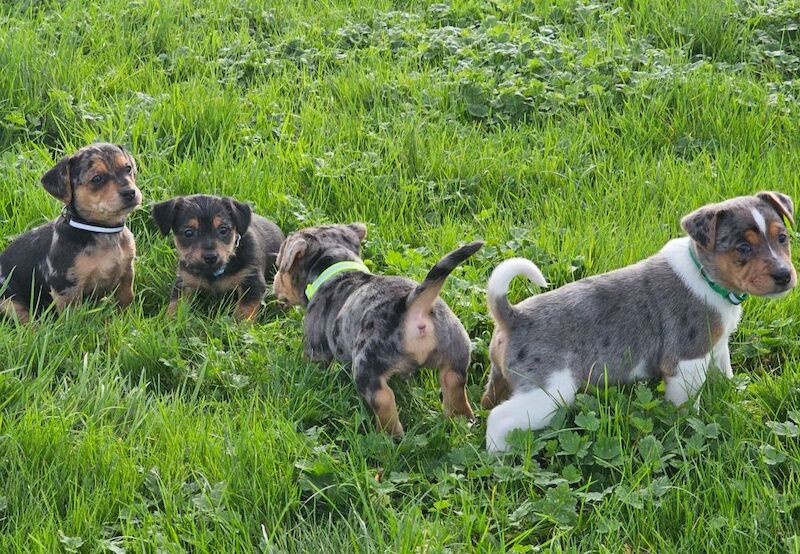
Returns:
(128, 194)
(782, 276)
(210, 258)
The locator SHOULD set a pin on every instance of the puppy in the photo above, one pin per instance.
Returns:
(222, 246)
(86, 251)
(668, 316)
(379, 325)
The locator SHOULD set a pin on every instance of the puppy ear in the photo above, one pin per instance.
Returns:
(56, 181)
(701, 225)
(780, 202)
(289, 253)
(359, 229)
(240, 212)
(164, 213)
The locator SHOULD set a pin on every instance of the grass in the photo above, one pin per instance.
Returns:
(574, 133)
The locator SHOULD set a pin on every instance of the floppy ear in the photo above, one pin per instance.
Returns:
(359, 229)
(240, 212)
(701, 225)
(164, 213)
(289, 253)
(782, 203)
(56, 181)
(130, 158)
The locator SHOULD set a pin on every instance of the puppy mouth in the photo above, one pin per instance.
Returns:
(203, 269)
(779, 294)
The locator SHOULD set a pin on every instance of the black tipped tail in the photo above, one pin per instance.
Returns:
(424, 295)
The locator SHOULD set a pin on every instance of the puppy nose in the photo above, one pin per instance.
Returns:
(210, 259)
(782, 276)
(128, 194)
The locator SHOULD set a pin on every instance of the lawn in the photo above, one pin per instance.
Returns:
(574, 133)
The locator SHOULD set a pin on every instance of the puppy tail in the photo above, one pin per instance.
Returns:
(501, 309)
(422, 298)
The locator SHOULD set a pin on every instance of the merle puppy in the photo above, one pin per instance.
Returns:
(666, 317)
(222, 246)
(87, 250)
(380, 325)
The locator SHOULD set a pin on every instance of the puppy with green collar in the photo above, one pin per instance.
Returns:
(669, 316)
(379, 325)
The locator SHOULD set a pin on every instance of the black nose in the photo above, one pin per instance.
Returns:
(210, 259)
(128, 194)
(782, 277)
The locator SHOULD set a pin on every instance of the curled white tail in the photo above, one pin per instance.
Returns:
(501, 279)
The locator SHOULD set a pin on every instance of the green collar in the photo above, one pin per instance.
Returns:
(338, 267)
(729, 295)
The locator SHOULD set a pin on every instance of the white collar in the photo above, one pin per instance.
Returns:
(94, 228)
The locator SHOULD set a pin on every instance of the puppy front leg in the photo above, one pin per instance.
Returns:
(124, 292)
(178, 291)
(380, 397)
(722, 357)
(688, 377)
(14, 310)
(252, 290)
(66, 297)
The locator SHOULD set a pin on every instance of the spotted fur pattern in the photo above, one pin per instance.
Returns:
(655, 319)
(379, 325)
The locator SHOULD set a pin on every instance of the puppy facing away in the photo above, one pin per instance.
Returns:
(87, 250)
(668, 316)
(379, 325)
(222, 246)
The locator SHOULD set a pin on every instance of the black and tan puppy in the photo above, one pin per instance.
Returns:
(380, 325)
(222, 247)
(88, 250)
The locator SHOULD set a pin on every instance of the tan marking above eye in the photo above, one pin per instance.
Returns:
(752, 237)
(193, 222)
(99, 166)
(775, 229)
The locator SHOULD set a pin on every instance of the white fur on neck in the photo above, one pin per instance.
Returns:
(677, 254)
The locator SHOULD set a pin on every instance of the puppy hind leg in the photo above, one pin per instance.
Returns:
(454, 392)
(531, 409)
(498, 389)
(371, 384)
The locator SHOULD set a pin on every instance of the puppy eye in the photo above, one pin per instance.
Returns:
(128, 169)
(782, 238)
(188, 233)
(97, 179)
(223, 231)
(744, 248)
